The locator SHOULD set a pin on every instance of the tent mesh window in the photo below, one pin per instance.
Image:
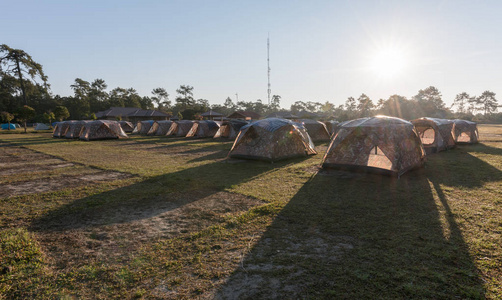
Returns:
(427, 136)
(464, 137)
(378, 159)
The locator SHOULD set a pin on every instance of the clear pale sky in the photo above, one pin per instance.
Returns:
(320, 50)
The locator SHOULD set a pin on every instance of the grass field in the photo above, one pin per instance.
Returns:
(156, 217)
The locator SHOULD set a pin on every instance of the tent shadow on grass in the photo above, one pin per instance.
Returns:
(151, 197)
(353, 236)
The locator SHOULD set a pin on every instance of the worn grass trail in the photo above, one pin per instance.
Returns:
(178, 220)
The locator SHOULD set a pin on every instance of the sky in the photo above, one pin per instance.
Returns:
(319, 50)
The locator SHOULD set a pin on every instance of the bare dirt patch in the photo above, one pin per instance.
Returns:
(16, 160)
(113, 233)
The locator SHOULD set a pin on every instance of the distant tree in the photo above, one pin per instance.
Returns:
(48, 117)
(16, 62)
(487, 102)
(180, 116)
(61, 113)
(7, 117)
(24, 114)
(97, 96)
(365, 106)
(275, 104)
(146, 103)
(461, 102)
(161, 97)
(350, 104)
(430, 102)
(185, 96)
(298, 106)
(229, 105)
(93, 116)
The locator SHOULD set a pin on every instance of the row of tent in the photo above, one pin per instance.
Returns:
(381, 144)
(89, 130)
(318, 131)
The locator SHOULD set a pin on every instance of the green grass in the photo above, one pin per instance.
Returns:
(173, 228)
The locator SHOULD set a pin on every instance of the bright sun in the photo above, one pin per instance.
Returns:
(388, 63)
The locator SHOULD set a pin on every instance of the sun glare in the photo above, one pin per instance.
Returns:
(388, 63)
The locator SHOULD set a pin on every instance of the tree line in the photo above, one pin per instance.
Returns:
(25, 95)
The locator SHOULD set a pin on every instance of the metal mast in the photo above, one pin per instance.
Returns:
(268, 67)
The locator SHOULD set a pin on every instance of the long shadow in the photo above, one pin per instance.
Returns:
(356, 236)
(153, 196)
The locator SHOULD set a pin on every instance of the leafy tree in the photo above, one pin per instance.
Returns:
(48, 117)
(430, 102)
(24, 114)
(275, 104)
(17, 63)
(461, 101)
(487, 102)
(61, 113)
(229, 105)
(350, 104)
(185, 96)
(97, 96)
(6, 117)
(161, 97)
(365, 105)
(298, 106)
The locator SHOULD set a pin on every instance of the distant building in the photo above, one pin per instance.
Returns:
(131, 114)
(245, 115)
(211, 115)
(283, 115)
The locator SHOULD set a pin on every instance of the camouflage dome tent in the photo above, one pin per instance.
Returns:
(126, 126)
(143, 127)
(102, 130)
(331, 126)
(74, 129)
(230, 129)
(378, 144)
(435, 134)
(61, 128)
(202, 129)
(180, 128)
(271, 140)
(160, 127)
(316, 130)
(465, 132)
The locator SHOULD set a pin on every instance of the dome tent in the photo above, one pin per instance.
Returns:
(465, 132)
(230, 129)
(331, 126)
(435, 134)
(126, 126)
(378, 144)
(316, 130)
(74, 129)
(160, 127)
(180, 128)
(102, 130)
(202, 129)
(61, 128)
(272, 139)
(143, 127)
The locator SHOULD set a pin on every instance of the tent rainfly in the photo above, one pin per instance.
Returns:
(272, 139)
(143, 127)
(180, 128)
(8, 126)
(203, 129)
(230, 129)
(331, 126)
(61, 128)
(74, 129)
(465, 132)
(102, 130)
(435, 134)
(317, 130)
(126, 126)
(160, 127)
(378, 144)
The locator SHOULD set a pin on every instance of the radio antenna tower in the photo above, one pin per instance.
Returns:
(268, 67)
